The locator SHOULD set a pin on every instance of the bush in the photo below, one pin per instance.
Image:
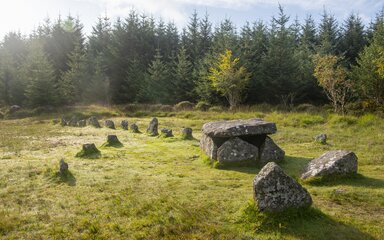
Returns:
(1, 115)
(306, 107)
(217, 109)
(202, 106)
(184, 106)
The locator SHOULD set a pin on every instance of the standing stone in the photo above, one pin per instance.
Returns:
(89, 150)
(135, 128)
(110, 124)
(322, 138)
(63, 167)
(186, 133)
(270, 152)
(274, 191)
(63, 122)
(112, 141)
(235, 150)
(339, 162)
(165, 132)
(152, 127)
(93, 122)
(82, 123)
(14, 108)
(73, 122)
(124, 124)
(208, 146)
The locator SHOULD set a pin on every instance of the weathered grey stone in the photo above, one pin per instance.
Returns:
(274, 191)
(186, 133)
(208, 146)
(321, 138)
(339, 162)
(89, 150)
(94, 122)
(82, 123)
(235, 150)
(63, 122)
(165, 132)
(124, 124)
(152, 129)
(237, 128)
(14, 108)
(112, 139)
(135, 128)
(63, 167)
(110, 124)
(270, 152)
(73, 122)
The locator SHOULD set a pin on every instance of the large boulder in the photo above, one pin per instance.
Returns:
(270, 152)
(110, 124)
(274, 191)
(235, 128)
(338, 162)
(235, 150)
(152, 129)
(94, 122)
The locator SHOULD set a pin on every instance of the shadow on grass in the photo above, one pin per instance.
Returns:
(308, 223)
(57, 177)
(293, 166)
(355, 180)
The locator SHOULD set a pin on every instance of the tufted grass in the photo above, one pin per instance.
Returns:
(163, 188)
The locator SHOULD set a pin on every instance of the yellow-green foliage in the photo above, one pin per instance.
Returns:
(156, 188)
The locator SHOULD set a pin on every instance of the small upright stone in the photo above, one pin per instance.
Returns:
(274, 191)
(339, 162)
(14, 108)
(124, 124)
(110, 124)
(94, 122)
(82, 123)
(322, 138)
(64, 121)
(63, 167)
(73, 122)
(186, 134)
(270, 152)
(152, 129)
(112, 141)
(135, 128)
(165, 132)
(89, 151)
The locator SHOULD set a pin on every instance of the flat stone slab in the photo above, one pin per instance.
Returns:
(274, 191)
(235, 128)
(338, 162)
(236, 150)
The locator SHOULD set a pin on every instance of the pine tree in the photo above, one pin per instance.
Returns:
(75, 79)
(98, 87)
(369, 82)
(182, 82)
(328, 35)
(353, 38)
(39, 76)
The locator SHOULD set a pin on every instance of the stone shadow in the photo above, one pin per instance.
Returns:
(310, 224)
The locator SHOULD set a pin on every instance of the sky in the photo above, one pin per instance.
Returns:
(25, 15)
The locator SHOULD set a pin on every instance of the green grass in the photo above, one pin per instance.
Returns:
(163, 188)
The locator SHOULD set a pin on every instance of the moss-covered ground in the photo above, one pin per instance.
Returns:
(162, 188)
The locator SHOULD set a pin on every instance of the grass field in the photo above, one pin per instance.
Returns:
(156, 188)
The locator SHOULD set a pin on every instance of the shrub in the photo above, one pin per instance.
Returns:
(306, 107)
(368, 120)
(217, 109)
(1, 115)
(184, 106)
(202, 106)
(342, 121)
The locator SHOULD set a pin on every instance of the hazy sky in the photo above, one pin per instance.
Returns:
(24, 15)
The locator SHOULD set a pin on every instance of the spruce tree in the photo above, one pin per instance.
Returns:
(182, 83)
(39, 76)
